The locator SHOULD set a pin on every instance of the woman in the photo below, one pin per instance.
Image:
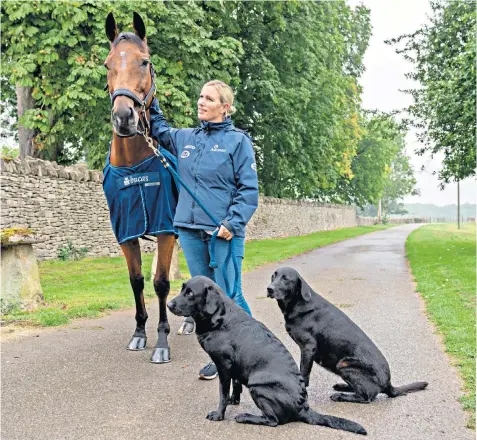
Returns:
(217, 162)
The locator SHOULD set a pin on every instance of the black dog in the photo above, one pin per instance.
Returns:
(245, 351)
(327, 336)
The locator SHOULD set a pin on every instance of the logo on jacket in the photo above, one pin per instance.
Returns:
(185, 154)
(254, 166)
(216, 149)
(190, 147)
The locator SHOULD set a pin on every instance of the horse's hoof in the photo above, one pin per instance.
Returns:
(161, 356)
(187, 327)
(137, 343)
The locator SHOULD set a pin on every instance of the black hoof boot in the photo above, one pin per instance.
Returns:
(161, 356)
(137, 343)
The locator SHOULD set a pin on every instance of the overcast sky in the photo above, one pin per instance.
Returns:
(385, 76)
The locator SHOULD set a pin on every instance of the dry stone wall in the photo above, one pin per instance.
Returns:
(67, 203)
(282, 218)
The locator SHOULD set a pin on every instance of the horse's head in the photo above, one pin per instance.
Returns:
(130, 76)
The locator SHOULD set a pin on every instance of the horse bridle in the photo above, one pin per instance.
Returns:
(143, 123)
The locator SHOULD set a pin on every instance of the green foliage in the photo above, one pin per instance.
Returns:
(299, 96)
(400, 182)
(70, 252)
(58, 49)
(444, 58)
(9, 153)
(395, 208)
(380, 168)
(442, 260)
(293, 64)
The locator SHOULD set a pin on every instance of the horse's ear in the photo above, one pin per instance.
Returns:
(139, 27)
(111, 28)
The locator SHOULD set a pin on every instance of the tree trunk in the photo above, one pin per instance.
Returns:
(458, 205)
(25, 101)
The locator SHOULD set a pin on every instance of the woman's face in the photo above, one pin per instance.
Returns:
(209, 107)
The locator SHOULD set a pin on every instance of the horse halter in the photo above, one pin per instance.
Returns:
(143, 123)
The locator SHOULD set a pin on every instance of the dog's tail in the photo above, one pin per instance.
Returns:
(314, 418)
(401, 391)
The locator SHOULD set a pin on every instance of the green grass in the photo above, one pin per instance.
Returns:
(89, 287)
(443, 262)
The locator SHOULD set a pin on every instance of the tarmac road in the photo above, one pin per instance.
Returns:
(79, 382)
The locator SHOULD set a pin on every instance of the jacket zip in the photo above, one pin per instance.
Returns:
(196, 180)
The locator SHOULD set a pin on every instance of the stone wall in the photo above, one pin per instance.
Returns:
(282, 218)
(60, 204)
(67, 203)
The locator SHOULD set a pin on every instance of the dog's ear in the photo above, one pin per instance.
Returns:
(212, 300)
(303, 289)
(214, 306)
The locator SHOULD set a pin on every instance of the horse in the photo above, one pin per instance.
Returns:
(130, 81)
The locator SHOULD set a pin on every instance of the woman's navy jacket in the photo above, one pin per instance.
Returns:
(217, 162)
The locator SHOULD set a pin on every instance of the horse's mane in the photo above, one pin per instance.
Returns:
(130, 37)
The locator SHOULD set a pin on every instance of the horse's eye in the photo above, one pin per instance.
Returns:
(145, 62)
(106, 66)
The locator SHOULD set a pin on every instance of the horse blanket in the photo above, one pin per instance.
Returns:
(142, 199)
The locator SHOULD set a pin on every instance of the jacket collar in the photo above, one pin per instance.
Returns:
(213, 126)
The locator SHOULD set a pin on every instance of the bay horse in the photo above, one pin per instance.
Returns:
(131, 86)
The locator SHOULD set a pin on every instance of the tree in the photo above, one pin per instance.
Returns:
(298, 93)
(53, 52)
(294, 66)
(380, 168)
(399, 183)
(444, 57)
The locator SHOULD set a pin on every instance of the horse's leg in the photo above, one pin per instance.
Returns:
(165, 246)
(132, 252)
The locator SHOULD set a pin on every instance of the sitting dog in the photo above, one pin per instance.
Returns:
(247, 353)
(328, 336)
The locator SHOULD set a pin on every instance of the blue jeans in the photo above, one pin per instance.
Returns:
(196, 246)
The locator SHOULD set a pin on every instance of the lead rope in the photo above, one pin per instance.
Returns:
(231, 253)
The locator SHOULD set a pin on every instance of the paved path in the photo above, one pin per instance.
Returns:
(79, 382)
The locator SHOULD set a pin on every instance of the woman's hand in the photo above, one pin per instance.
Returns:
(224, 233)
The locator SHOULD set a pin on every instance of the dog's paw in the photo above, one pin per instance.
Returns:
(343, 387)
(234, 400)
(337, 397)
(242, 418)
(215, 416)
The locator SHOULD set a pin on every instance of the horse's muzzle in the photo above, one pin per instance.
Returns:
(125, 120)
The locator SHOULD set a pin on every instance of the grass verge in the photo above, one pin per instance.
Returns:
(88, 287)
(443, 263)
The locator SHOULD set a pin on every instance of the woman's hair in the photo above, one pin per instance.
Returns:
(226, 94)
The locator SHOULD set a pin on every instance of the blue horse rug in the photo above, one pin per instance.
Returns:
(142, 199)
